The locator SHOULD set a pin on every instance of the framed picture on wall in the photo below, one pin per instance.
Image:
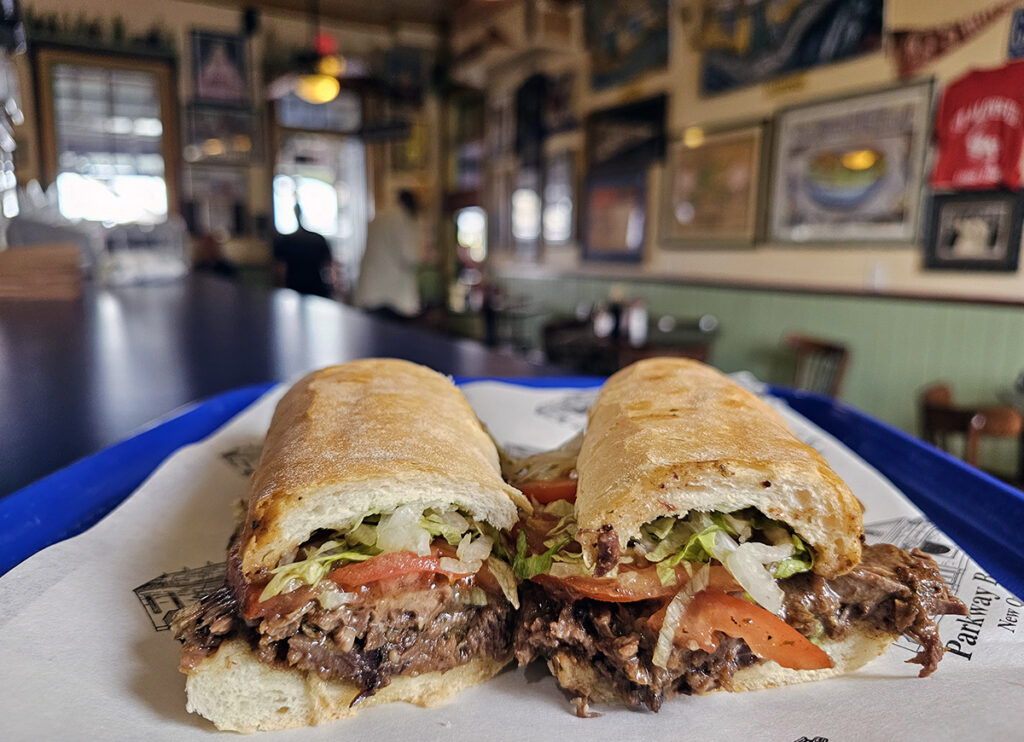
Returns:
(219, 70)
(712, 190)
(978, 231)
(851, 170)
(218, 134)
(615, 216)
(625, 39)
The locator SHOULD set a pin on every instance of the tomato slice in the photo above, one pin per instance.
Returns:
(383, 566)
(546, 491)
(632, 585)
(766, 634)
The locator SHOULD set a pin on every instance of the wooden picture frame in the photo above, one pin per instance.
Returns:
(615, 216)
(976, 231)
(851, 170)
(713, 191)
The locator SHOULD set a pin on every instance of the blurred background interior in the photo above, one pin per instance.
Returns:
(825, 193)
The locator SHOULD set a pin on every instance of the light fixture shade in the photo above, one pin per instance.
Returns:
(317, 88)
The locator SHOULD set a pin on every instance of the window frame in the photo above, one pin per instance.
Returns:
(165, 70)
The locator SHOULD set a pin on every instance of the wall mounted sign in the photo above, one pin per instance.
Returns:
(917, 48)
(850, 170)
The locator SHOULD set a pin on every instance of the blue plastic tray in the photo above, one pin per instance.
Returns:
(982, 514)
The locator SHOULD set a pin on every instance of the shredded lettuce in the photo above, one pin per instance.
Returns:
(404, 529)
(314, 567)
(726, 537)
(506, 579)
(525, 566)
(801, 561)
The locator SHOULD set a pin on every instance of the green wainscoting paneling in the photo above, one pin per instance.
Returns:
(897, 345)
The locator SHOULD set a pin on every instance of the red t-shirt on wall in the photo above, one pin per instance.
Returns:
(979, 130)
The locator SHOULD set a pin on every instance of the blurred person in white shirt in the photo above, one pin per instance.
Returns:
(388, 273)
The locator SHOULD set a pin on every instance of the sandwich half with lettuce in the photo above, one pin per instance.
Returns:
(371, 564)
(689, 542)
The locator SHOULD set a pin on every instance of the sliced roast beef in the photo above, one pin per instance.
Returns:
(613, 639)
(407, 625)
(890, 591)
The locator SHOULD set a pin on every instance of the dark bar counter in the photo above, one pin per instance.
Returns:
(78, 376)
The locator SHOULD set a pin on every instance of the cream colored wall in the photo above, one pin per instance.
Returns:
(884, 268)
(178, 18)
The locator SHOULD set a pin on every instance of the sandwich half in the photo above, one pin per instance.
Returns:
(366, 569)
(689, 542)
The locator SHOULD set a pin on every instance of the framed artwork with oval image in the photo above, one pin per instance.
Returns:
(713, 189)
(851, 170)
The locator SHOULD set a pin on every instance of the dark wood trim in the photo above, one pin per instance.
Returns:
(44, 58)
(328, 12)
(550, 274)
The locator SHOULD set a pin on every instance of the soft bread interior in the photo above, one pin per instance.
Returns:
(364, 437)
(239, 693)
(671, 435)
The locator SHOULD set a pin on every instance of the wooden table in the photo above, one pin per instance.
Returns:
(77, 376)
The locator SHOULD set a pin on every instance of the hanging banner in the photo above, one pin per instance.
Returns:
(918, 48)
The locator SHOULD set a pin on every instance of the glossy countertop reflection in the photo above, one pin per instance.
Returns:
(77, 376)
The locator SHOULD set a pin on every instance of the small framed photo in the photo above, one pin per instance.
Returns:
(979, 231)
(218, 135)
(713, 190)
(219, 71)
(615, 216)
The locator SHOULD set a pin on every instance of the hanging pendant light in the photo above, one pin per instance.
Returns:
(322, 85)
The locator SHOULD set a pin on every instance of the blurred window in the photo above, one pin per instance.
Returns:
(108, 151)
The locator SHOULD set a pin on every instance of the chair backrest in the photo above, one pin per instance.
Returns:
(940, 418)
(820, 364)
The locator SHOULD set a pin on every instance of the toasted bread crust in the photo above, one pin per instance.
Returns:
(363, 437)
(671, 435)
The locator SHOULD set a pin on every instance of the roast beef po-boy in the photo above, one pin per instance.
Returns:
(364, 571)
(708, 548)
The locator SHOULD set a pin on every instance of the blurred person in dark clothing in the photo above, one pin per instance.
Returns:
(388, 274)
(303, 260)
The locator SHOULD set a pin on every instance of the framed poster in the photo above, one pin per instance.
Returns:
(978, 231)
(746, 43)
(615, 216)
(219, 71)
(625, 38)
(851, 170)
(215, 134)
(713, 191)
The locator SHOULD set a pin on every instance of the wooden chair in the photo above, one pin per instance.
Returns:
(820, 364)
(941, 419)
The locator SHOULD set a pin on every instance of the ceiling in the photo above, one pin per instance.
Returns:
(376, 12)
